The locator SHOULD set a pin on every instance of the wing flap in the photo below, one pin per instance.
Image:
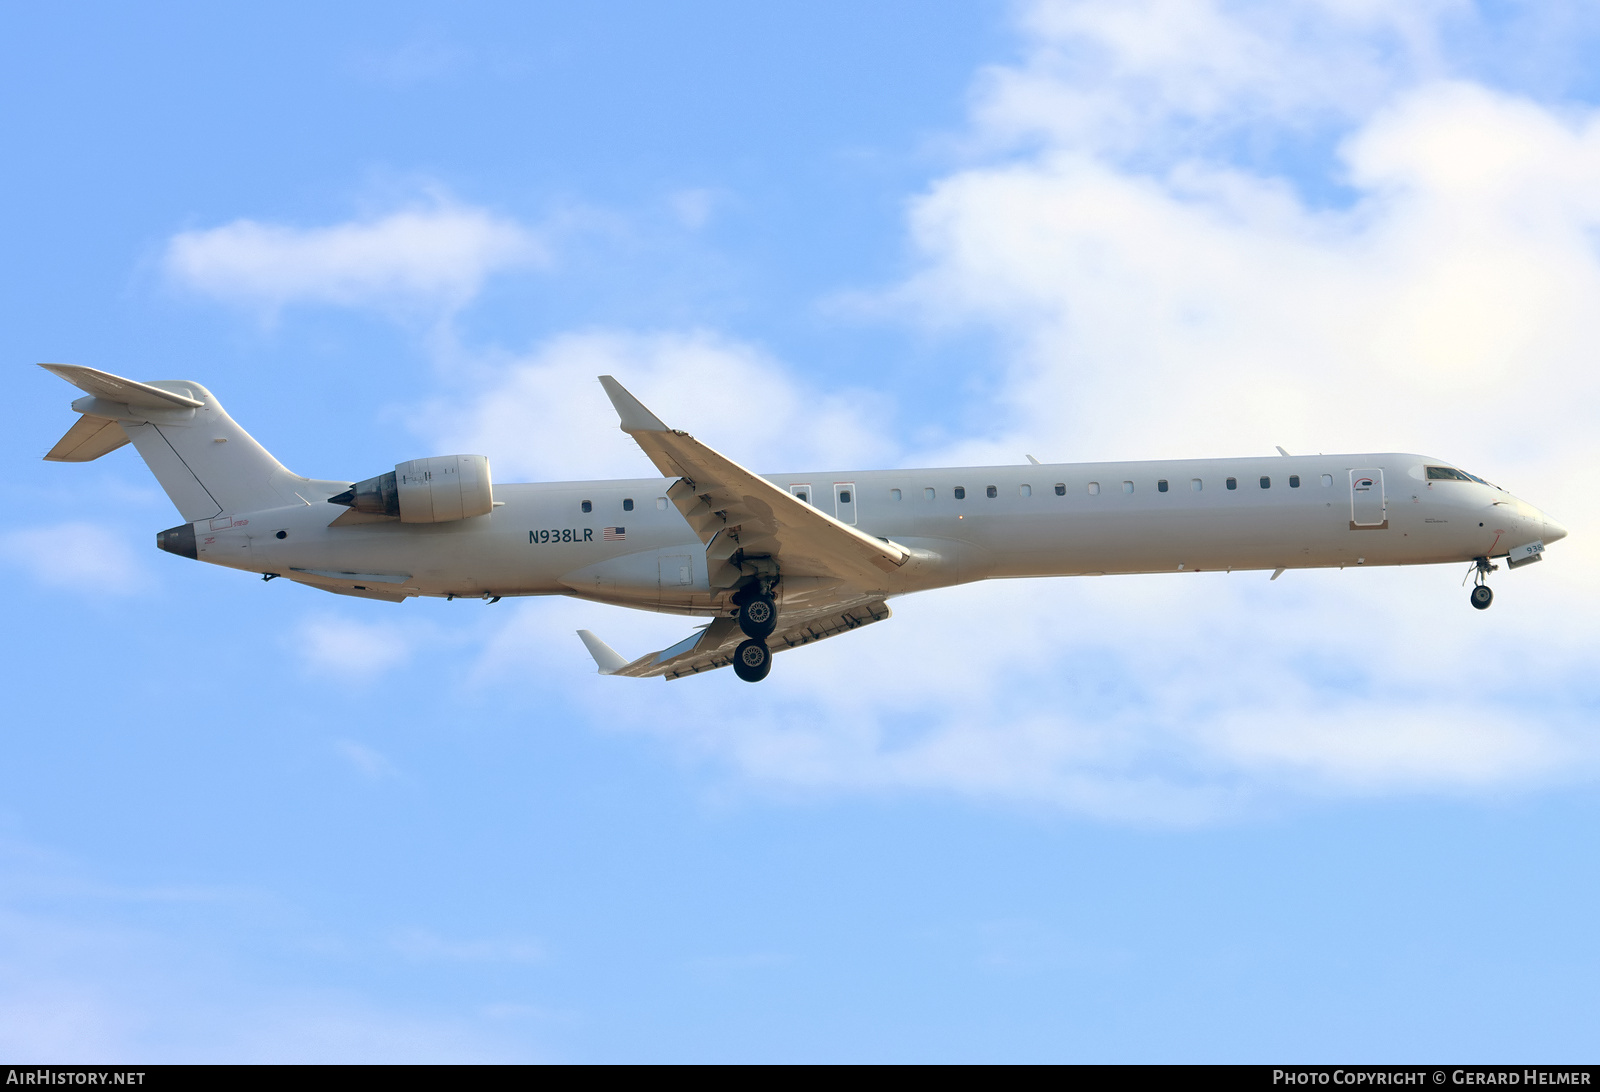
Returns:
(87, 440)
(717, 638)
(712, 646)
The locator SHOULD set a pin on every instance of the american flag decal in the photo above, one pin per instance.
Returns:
(613, 534)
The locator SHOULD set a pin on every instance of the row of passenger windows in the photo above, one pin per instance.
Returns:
(993, 491)
(1162, 486)
(627, 504)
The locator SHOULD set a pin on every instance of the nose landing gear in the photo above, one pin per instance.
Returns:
(1482, 594)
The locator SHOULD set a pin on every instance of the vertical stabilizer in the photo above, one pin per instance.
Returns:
(207, 464)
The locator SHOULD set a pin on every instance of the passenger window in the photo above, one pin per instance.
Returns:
(1026, 491)
(894, 494)
(1294, 481)
(661, 504)
(927, 494)
(1327, 480)
(803, 495)
(844, 496)
(1127, 487)
(1094, 488)
(1233, 483)
(1266, 482)
(991, 492)
(588, 506)
(961, 492)
(627, 504)
(1161, 486)
(1195, 484)
(1061, 489)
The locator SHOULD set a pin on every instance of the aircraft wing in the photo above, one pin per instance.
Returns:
(711, 646)
(740, 515)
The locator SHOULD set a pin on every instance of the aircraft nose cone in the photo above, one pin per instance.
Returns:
(1553, 531)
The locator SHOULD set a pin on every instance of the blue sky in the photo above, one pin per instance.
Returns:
(1170, 818)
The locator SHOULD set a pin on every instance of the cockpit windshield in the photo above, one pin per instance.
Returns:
(1451, 474)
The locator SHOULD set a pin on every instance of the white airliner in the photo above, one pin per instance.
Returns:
(781, 560)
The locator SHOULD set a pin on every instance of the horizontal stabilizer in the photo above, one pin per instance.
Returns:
(606, 658)
(114, 388)
(87, 440)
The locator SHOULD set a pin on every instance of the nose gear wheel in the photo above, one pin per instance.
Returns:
(1482, 594)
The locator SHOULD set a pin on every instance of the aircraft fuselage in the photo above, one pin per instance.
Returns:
(623, 542)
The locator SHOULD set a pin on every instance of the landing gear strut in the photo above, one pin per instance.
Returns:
(752, 660)
(1482, 595)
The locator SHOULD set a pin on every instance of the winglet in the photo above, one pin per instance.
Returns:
(1032, 460)
(1282, 452)
(635, 418)
(605, 657)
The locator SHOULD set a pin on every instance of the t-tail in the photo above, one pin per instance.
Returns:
(209, 466)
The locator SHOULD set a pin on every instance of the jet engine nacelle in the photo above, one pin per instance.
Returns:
(436, 490)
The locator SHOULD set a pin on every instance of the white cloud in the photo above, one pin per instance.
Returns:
(545, 417)
(80, 556)
(1188, 305)
(329, 644)
(435, 255)
(1159, 297)
(1166, 700)
(1152, 77)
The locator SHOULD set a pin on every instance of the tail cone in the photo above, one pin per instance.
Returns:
(178, 540)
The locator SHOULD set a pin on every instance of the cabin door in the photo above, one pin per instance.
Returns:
(1367, 510)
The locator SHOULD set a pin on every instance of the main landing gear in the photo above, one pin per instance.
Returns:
(1482, 594)
(752, 660)
(758, 617)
